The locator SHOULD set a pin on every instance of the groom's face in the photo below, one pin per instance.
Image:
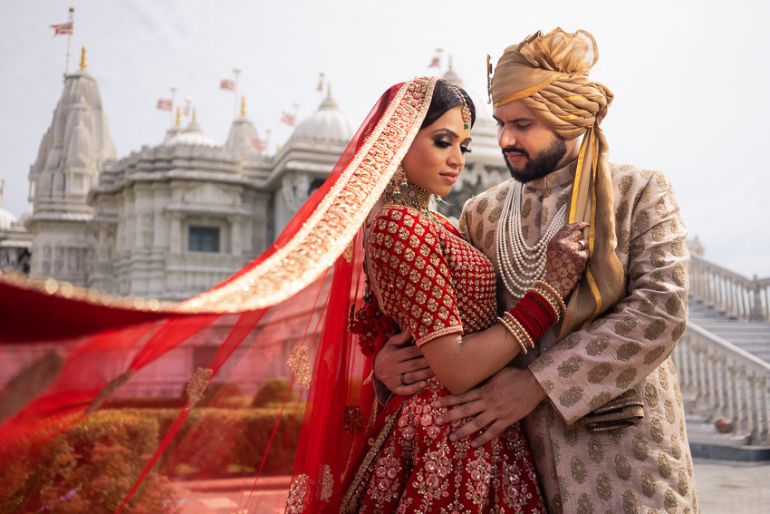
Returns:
(530, 147)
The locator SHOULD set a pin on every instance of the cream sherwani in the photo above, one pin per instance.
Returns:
(647, 467)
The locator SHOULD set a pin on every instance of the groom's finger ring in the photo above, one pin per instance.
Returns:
(402, 379)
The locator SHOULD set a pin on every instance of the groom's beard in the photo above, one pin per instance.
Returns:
(541, 165)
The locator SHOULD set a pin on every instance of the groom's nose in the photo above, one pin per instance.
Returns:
(506, 137)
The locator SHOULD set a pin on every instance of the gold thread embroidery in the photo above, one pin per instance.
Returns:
(352, 497)
(299, 363)
(197, 385)
(295, 501)
(326, 484)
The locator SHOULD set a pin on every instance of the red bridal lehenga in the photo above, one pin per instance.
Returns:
(67, 353)
(435, 283)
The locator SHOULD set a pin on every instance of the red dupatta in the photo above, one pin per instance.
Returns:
(299, 294)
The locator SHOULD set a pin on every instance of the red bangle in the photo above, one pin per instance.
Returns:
(546, 305)
(534, 314)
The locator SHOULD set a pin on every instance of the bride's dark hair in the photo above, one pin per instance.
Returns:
(447, 96)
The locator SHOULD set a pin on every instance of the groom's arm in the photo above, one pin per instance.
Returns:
(592, 366)
(399, 369)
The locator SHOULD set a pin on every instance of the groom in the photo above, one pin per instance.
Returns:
(600, 401)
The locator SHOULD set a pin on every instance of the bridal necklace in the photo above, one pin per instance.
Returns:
(521, 264)
(401, 192)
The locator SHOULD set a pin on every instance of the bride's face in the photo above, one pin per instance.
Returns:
(437, 155)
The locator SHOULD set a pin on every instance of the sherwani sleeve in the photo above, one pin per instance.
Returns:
(594, 365)
(464, 222)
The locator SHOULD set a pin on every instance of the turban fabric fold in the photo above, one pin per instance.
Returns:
(549, 74)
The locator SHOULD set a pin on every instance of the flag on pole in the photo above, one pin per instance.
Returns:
(288, 118)
(62, 29)
(436, 61)
(258, 144)
(227, 84)
(165, 104)
(320, 86)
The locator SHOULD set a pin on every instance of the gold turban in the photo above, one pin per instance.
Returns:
(549, 74)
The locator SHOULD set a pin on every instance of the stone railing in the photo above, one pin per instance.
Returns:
(725, 382)
(724, 290)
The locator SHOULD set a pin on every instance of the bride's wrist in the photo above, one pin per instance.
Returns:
(551, 295)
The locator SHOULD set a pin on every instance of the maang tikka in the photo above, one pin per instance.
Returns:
(465, 111)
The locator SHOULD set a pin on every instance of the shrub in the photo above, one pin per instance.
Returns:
(219, 442)
(91, 466)
(220, 394)
(274, 392)
(86, 468)
(144, 403)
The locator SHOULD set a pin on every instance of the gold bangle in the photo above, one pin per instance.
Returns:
(545, 295)
(548, 292)
(513, 333)
(522, 331)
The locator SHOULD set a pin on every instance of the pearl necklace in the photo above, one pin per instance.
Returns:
(521, 264)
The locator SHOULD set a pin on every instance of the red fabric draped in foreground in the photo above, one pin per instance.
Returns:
(114, 357)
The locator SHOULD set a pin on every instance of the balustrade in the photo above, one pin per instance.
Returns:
(732, 293)
(725, 381)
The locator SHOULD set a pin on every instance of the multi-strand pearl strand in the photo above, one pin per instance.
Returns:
(520, 265)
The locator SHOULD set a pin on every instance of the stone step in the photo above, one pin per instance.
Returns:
(732, 327)
(706, 442)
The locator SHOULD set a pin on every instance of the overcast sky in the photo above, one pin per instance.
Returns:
(691, 80)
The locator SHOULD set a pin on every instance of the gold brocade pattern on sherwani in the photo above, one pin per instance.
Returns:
(641, 468)
(322, 238)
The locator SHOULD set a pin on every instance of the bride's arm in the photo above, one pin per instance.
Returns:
(459, 362)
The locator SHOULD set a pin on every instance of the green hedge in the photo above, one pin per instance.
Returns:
(222, 442)
(274, 392)
(91, 466)
(87, 468)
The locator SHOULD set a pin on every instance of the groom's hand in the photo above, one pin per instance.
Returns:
(403, 370)
(510, 395)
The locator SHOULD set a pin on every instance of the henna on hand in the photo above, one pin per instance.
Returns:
(566, 258)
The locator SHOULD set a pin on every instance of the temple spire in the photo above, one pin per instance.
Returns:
(243, 106)
(83, 60)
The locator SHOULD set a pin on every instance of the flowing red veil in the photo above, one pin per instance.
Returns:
(75, 361)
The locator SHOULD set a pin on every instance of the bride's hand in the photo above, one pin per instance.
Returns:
(567, 255)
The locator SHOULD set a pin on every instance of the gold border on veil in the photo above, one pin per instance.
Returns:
(323, 237)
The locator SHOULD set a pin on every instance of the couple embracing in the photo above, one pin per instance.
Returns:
(517, 363)
(520, 362)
